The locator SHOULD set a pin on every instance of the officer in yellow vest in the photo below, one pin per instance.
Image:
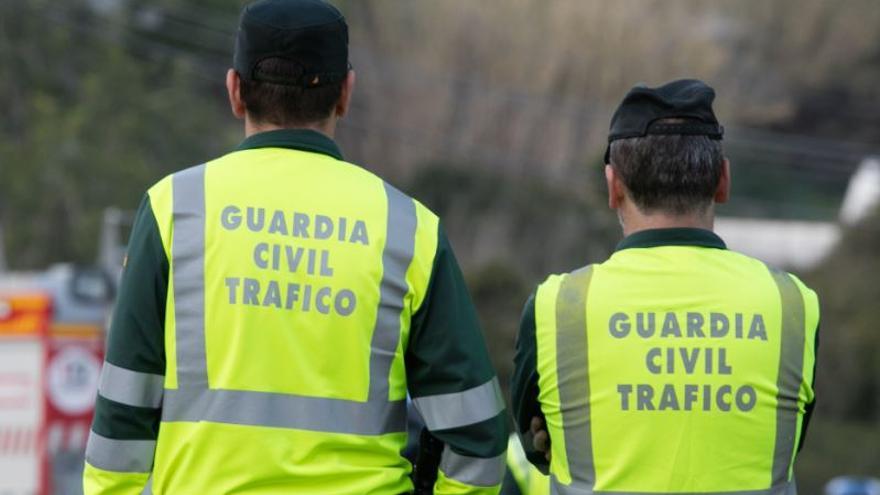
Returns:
(278, 304)
(675, 366)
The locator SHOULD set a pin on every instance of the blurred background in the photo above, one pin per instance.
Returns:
(494, 114)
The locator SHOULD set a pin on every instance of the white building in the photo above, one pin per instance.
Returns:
(804, 244)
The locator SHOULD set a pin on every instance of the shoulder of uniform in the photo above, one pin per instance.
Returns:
(160, 187)
(428, 221)
(585, 268)
(159, 196)
(550, 279)
(809, 294)
(161, 193)
(758, 264)
(420, 207)
(163, 185)
(779, 271)
(554, 280)
(362, 172)
(589, 268)
(425, 211)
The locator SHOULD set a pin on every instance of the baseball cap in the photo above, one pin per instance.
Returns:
(642, 108)
(310, 34)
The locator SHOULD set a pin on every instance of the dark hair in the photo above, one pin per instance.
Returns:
(286, 105)
(676, 174)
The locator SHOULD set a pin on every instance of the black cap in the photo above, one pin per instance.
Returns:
(312, 34)
(642, 107)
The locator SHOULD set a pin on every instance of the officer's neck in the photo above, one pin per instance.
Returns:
(634, 220)
(327, 127)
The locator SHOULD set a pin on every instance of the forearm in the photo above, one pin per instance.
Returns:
(453, 385)
(122, 440)
(524, 386)
(473, 457)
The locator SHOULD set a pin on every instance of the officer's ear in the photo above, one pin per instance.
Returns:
(345, 97)
(722, 193)
(616, 189)
(233, 88)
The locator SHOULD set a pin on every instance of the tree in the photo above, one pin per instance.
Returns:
(91, 127)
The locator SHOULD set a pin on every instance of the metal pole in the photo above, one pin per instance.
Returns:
(2, 251)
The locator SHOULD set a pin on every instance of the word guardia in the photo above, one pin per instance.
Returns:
(294, 260)
(295, 224)
(692, 360)
(690, 324)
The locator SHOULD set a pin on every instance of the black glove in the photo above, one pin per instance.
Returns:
(427, 463)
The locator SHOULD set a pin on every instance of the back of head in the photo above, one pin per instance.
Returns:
(287, 105)
(292, 59)
(665, 145)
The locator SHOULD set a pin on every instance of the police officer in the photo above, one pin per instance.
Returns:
(278, 304)
(675, 366)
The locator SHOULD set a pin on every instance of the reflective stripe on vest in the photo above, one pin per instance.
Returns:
(194, 400)
(791, 369)
(123, 456)
(457, 409)
(574, 387)
(574, 393)
(131, 388)
(787, 488)
(474, 471)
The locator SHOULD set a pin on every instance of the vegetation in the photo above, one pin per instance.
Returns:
(90, 121)
(849, 342)
(555, 230)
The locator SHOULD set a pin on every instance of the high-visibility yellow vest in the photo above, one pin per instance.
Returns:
(675, 369)
(528, 479)
(324, 291)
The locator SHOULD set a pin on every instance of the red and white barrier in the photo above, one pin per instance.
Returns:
(24, 320)
(49, 374)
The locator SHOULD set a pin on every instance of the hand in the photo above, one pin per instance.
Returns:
(540, 437)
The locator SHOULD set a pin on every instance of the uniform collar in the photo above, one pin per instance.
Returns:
(297, 139)
(672, 237)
